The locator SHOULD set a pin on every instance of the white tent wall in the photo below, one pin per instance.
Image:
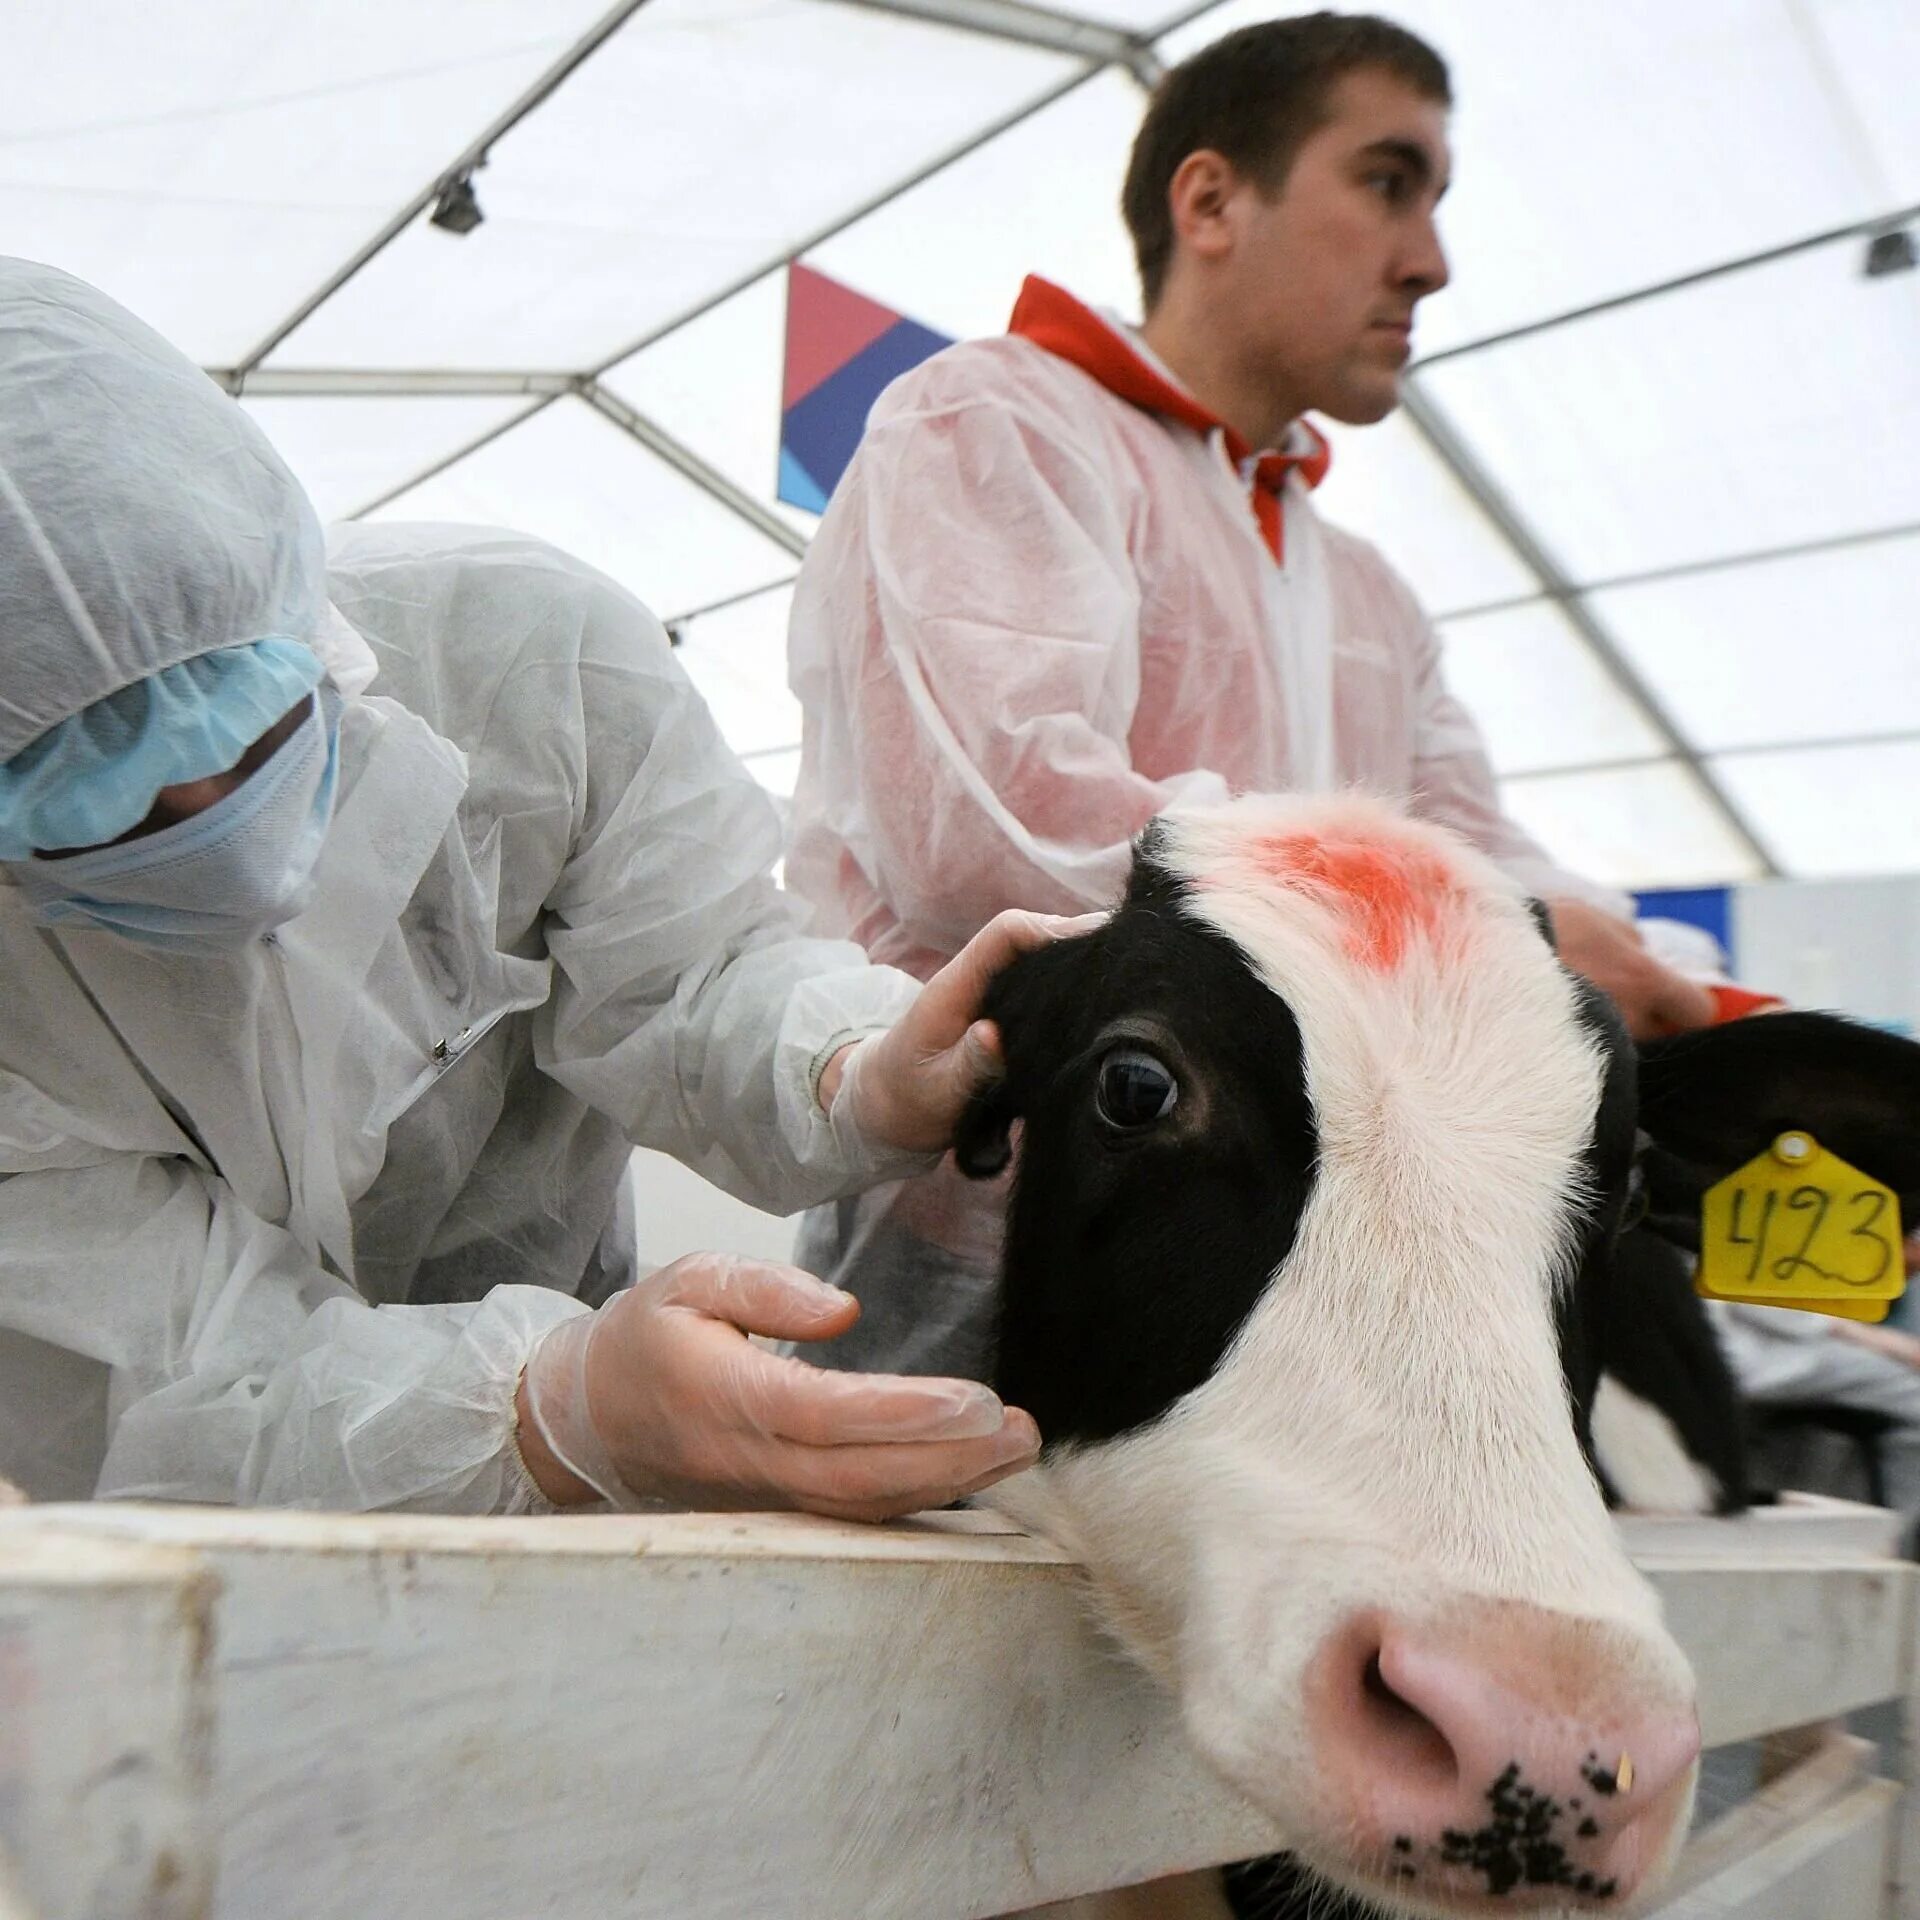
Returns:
(1631, 504)
(211, 165)
(677, 1212)
(1849, 945)
(689, 150)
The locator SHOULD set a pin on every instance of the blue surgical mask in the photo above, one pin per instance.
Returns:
(215, 882)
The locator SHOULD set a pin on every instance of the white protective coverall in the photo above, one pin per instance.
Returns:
(1041, 608)
(281, 1226)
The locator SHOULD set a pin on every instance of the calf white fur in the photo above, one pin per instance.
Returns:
(1366, 1550)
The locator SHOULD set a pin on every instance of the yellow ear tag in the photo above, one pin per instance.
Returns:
(1798, 1227)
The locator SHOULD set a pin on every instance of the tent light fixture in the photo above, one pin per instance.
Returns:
(457, 210)
(1890, 252)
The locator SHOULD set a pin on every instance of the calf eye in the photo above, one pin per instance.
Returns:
(1134, 1090)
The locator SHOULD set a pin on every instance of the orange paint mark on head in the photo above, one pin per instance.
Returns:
(1383, 891)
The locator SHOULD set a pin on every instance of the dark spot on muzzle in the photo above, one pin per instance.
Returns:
(1518, 1846)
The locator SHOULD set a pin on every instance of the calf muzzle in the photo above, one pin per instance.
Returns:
(1499, 1757)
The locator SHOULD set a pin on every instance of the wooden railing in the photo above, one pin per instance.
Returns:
(708, 1717)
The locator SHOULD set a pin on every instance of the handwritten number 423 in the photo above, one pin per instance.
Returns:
(1814, 1204)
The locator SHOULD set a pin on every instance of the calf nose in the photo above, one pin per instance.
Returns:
(1501, 1750)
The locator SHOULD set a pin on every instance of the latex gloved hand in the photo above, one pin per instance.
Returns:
(659, 1399)
(1653, 999)
(908, 1086)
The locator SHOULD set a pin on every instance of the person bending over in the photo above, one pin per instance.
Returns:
(362, 905)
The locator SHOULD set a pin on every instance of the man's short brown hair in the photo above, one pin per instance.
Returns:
(1254, 97)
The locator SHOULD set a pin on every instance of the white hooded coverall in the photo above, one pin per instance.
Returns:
(281, 1226)
(1045, 604)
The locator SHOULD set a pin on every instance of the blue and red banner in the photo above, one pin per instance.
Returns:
(842, 349)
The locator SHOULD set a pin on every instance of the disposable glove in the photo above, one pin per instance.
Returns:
(908, 1086)
(659, 1399)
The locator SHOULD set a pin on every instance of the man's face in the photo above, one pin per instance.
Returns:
(1319, 288)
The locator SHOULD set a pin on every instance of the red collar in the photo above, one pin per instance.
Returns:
(1052, 318)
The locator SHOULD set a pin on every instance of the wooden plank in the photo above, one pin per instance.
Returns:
(623, 1716)
(718, 1715)
(1834, 1765)
(1803, 1526)
(925, 1538)
(1803, 1529)
(1778, 1645)
(1904, 1888)
(105, 1716)
(1830, 1866)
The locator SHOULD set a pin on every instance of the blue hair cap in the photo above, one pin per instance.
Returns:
(97, 773)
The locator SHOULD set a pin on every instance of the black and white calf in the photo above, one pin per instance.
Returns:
(1308, 1282)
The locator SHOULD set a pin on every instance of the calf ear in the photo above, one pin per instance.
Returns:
(983, 1142)
(1710, 1101)
(1543, 919)
(1024, 1001)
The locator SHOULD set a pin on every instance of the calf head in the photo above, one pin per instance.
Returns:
(1321, 1154)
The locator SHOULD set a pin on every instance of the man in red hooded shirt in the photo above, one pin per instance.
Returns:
(1074, 576)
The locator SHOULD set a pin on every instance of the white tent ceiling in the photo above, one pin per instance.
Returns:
(1659, 474)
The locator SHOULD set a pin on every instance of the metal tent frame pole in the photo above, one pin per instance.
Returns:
(1099, 48)
(1433, 426)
